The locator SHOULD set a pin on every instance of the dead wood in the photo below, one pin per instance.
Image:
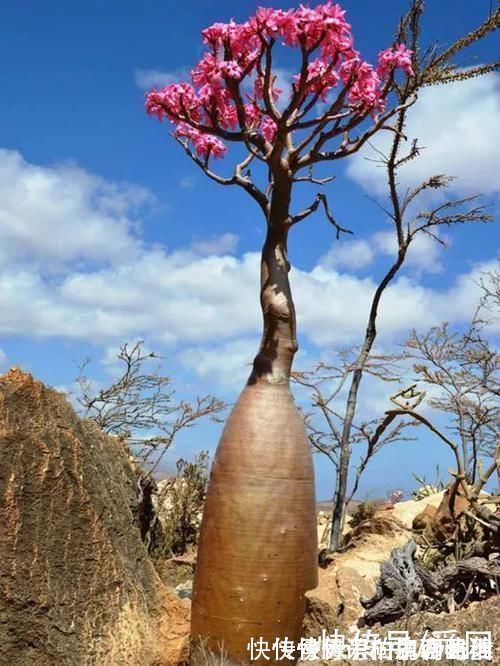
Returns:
(406, 586)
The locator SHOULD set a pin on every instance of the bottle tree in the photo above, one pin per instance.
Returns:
(257, 553)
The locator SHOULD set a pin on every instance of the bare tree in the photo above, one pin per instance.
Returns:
(433, 66)
(180, 502)
(140, 407)
(471, 490)
(490, 300)
(325, 422)
(462, 368)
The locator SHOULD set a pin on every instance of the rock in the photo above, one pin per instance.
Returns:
(76, 584)
(176, 570)
(185, 590)
(405, 512)
(383, 523)
(354, 573)
(478, 616)
(443, 523)
(424, 518)
(319, 616)
(324, 527)
(165, 501)
(323, 533)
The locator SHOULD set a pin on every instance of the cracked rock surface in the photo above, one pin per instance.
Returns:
(76, 584)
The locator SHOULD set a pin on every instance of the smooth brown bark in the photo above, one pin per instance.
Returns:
(257, 553)
(278, 346)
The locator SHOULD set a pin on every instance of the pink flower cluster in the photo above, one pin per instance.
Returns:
(174, 101)
(398, 57)
(364, 83)
(324, 27)
(321, 77)
(231, 73)
(205, 144)
(268, 128)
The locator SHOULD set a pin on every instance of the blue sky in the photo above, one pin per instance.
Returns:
(109, 234)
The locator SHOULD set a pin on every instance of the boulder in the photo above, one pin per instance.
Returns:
(424, 518)
(319, 616)
(176, 570)
(77, 586)
(405, 512)
(352, 574)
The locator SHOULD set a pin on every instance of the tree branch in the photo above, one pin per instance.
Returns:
(320, 199)
(236, 179)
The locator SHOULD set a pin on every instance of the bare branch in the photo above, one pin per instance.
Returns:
(491, 24)
(236, 179)
(311, 179)
(140, 408)
(320, 199)
(447, 214)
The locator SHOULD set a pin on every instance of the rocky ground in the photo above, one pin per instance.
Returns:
(354, 573)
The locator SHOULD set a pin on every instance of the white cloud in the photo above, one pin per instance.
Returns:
(224, 244)
(62, 213)
(185, 298)
(459, 125)
(423, 254)
(351, 254)
(3, 359)
(227, 364)
(156, 78)
(199, 298)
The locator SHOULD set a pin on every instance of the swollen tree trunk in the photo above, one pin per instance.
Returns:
(257, 553)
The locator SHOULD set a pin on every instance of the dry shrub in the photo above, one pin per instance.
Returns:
(182, 503)
(364, 511)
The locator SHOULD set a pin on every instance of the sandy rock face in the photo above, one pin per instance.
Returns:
(76, 584)
(407, 511)
(353, 574)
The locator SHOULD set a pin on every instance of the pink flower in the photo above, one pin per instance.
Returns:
(207, 71)
(365, 87)
(176, 101)
(252, 114)
(154, 104)
(232, 68)
(320, 79)
(214, 34)
(259, 89)
(398, 57)
(205, 144)
(239, 37)
(268, 129)
(395, 496)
